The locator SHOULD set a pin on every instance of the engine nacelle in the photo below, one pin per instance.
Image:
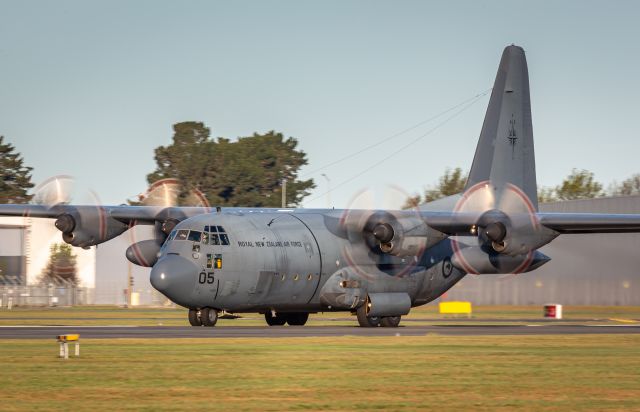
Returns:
(88, 226)
(407, 236)
(144, 253)
(477, 261)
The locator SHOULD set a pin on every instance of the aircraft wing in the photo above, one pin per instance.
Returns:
(452, 223)
(124, 213)
(590, 222)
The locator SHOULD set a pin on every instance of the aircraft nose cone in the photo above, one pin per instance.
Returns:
(174, 276)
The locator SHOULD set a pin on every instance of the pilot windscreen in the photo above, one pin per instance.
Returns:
(195, 236)
(182, 234)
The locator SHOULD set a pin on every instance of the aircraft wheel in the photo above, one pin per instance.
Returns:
(277, 320)
(209, 316)
(364, 320)
(390, 321)
(297, 319)
(194, 317)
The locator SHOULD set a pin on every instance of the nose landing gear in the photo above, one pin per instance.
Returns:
(203, 317)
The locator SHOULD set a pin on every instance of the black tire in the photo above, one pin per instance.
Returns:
(209, 317)
(390, 321)
(277, 320)
(297, 319)
(194, 317)
(364, 320)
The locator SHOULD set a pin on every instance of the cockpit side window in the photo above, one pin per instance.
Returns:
(205, 238)
(215, 240)
(195, 236)
(172, 235)
(224, 239)
(182, 234)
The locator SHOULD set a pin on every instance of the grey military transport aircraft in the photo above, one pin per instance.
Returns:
(378, 264)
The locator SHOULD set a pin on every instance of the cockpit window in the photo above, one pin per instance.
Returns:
(182, 234)
(171, 235)
(195, 236)
(215, 235)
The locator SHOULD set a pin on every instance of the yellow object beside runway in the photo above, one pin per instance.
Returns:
(455, 308)
(64, 340)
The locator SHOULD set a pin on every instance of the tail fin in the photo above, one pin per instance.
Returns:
(505, 150)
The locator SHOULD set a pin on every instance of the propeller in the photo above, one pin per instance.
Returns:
(166, 194)
(82, 226)
(506, 232)
(380, 238)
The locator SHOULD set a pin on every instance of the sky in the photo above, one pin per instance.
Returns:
(90, 89)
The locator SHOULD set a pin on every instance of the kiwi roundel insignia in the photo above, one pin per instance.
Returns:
(447, 267)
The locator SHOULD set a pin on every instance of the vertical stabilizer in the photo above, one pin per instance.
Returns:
(505, 150)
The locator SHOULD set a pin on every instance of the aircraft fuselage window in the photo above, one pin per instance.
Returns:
(195, 236)
(182, 234)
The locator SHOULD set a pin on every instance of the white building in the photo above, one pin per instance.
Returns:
(25, 245)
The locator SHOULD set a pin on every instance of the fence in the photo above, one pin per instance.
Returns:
(44, 296)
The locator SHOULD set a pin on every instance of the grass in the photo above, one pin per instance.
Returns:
(485, 373)
(425, 315)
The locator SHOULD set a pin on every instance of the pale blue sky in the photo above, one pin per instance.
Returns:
(91, 88)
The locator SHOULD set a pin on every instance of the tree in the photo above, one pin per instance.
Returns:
(61, 268)
(628, 187)
(546, 194)
(580, 184)
(16, 177)
(246, 173)
(451, 183)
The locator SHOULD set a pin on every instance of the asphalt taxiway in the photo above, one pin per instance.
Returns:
(169, 332)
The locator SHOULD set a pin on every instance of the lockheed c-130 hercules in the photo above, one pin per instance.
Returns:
(287, 263)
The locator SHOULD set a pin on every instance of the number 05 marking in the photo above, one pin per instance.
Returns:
(206, 278)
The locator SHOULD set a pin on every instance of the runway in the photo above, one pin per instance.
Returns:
(170, 332)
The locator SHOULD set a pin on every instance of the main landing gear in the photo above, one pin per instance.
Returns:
(374, 321)
(280, 318)
(203, 317)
